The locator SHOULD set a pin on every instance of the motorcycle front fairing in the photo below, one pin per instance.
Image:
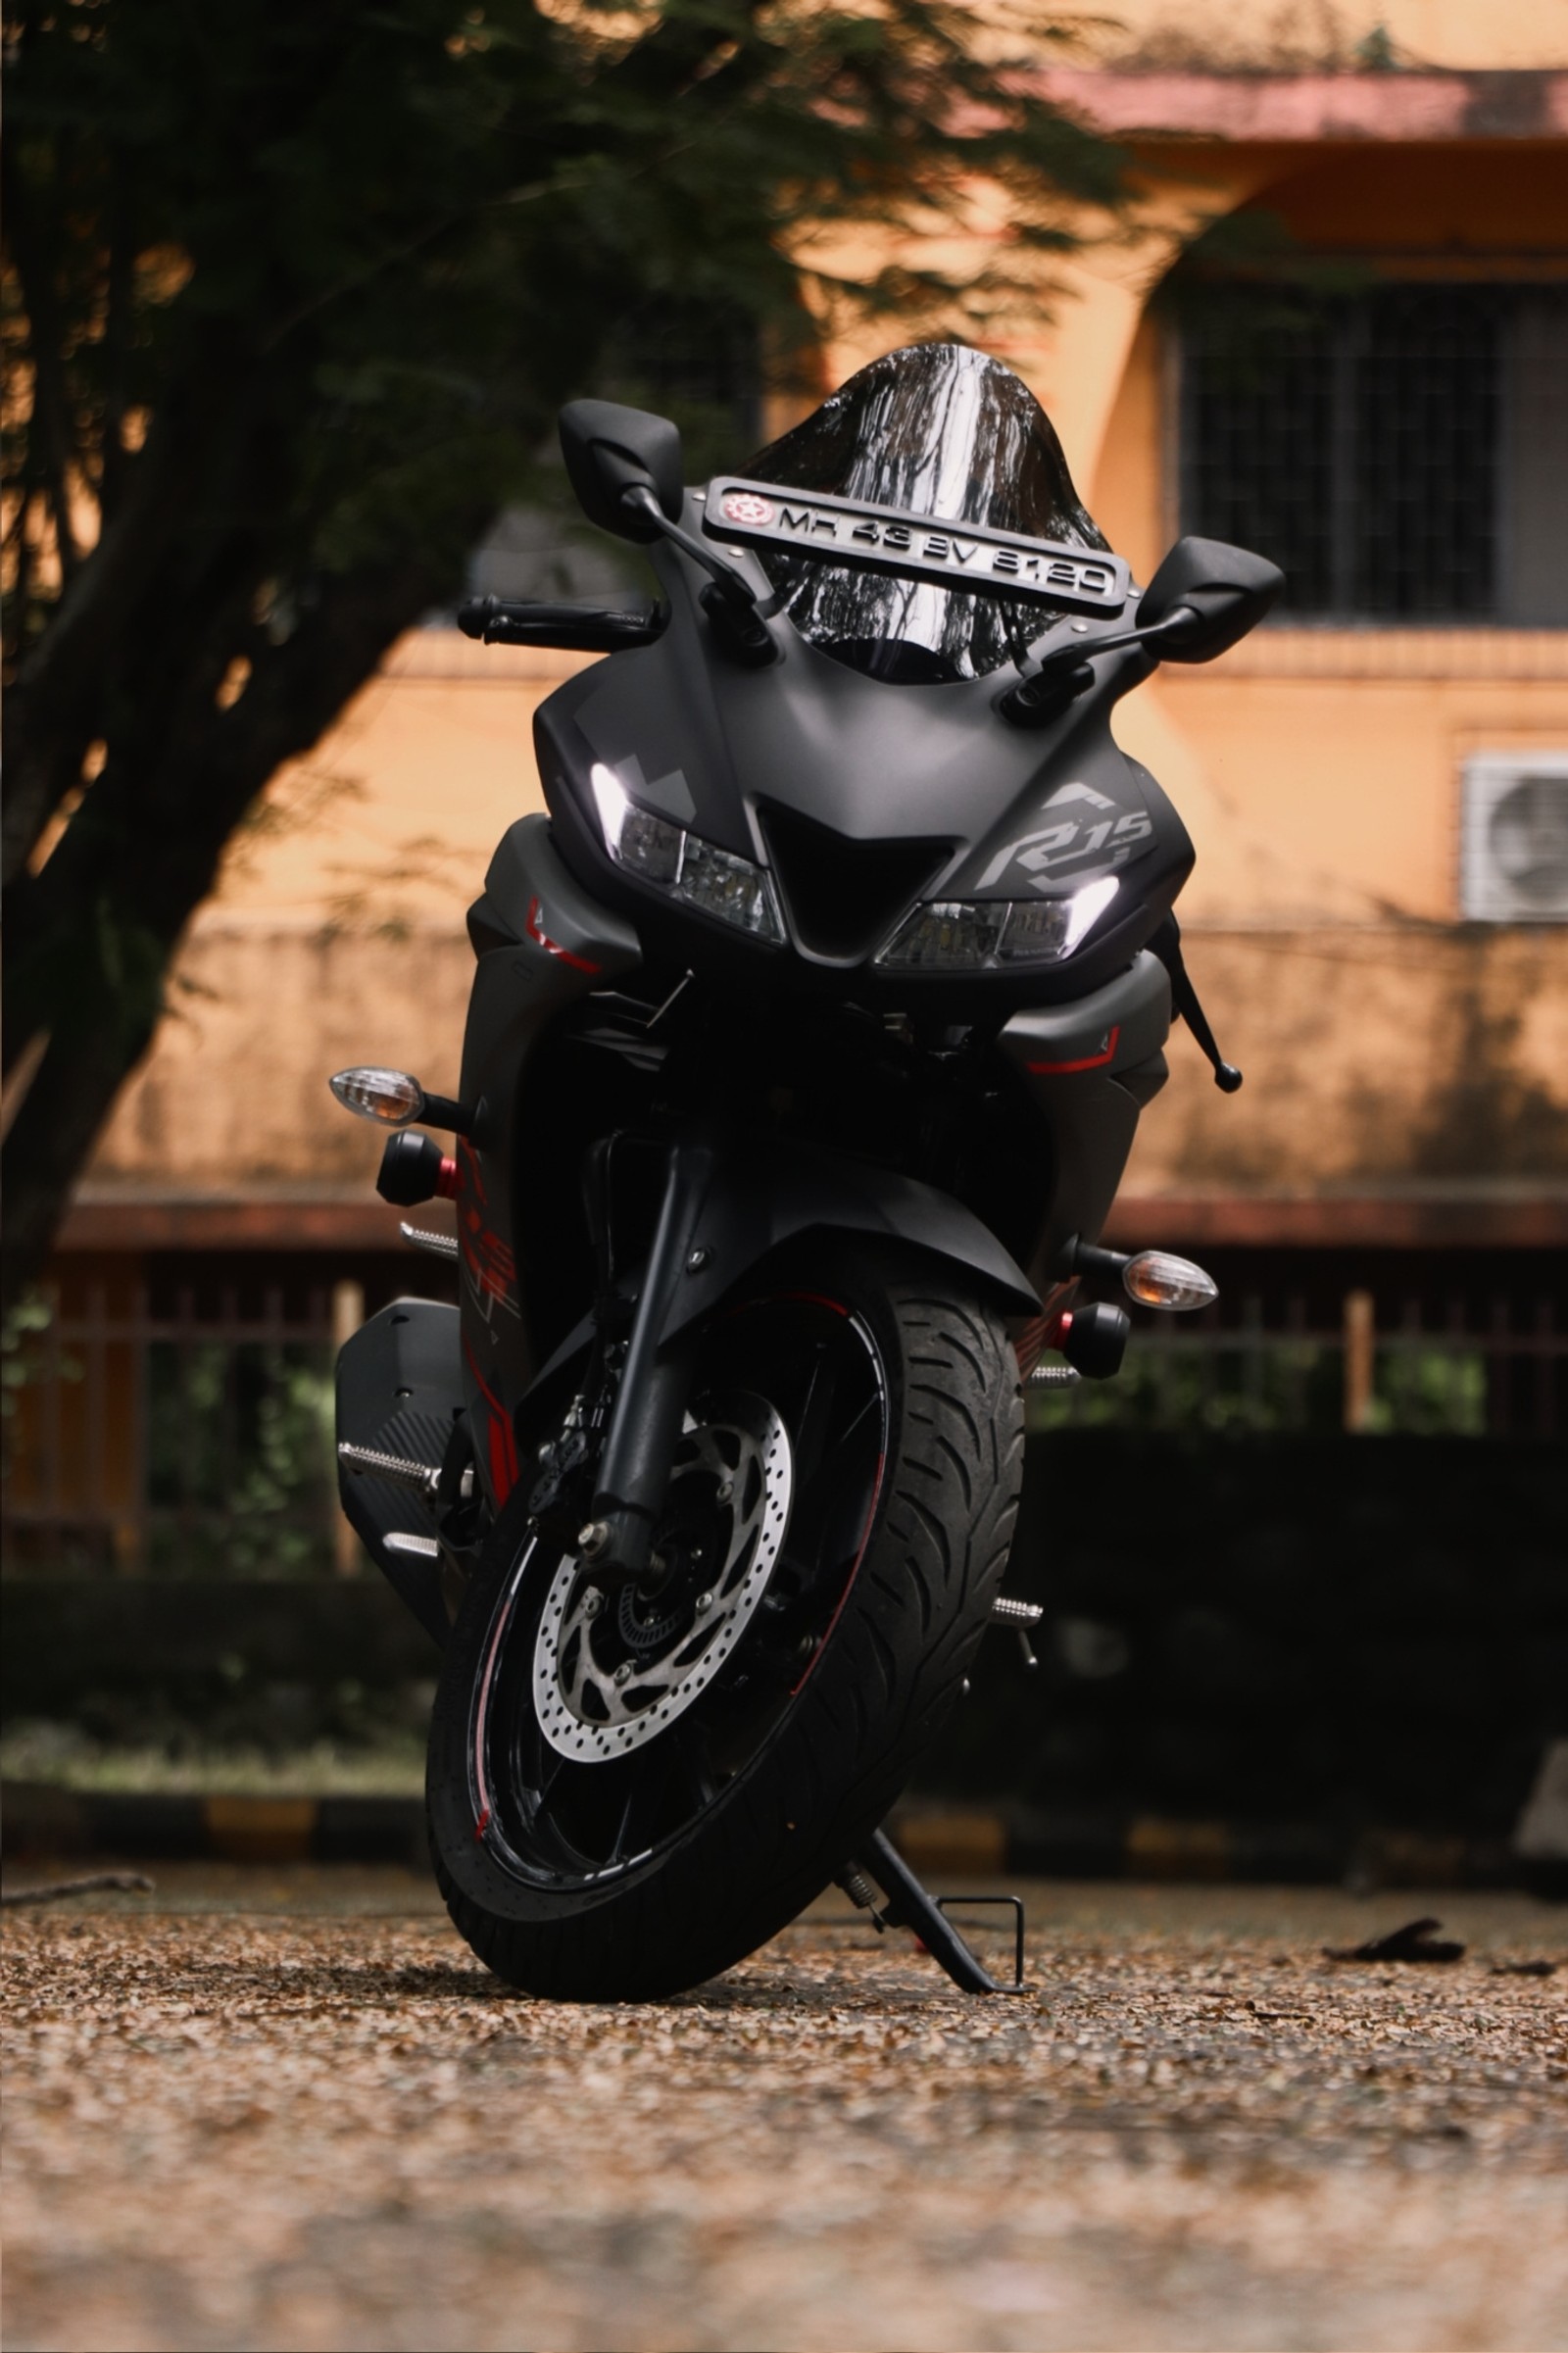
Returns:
(861, 795)
(923, 792)
(869, 764)
(546, 947)
(554, 932)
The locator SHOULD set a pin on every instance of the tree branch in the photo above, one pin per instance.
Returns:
(121, 297)
(118, 897)
(50, 422)
(54, 710)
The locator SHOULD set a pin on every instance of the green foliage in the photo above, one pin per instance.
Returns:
(385, 241)
(1430, 1392)
(1267, 1383)
(292, 291)
(21, 1354)
(240, 1469)
(1245, 283)
(1375, 53)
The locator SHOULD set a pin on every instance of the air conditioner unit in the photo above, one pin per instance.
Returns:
(1513, 855)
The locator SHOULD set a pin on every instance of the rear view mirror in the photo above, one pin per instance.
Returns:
(609, 450)
(1225, 591)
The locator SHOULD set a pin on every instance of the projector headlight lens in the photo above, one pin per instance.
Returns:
(949, 935)
(731, 888)
(992, 934)
(734, 888)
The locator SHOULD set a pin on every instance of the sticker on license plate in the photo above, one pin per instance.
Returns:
(913, 547)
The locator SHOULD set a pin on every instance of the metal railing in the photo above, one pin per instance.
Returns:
(1404, 1360)
(197, 1439)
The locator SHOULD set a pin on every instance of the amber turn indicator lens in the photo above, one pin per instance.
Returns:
(1157, 1278)
(392, 1097)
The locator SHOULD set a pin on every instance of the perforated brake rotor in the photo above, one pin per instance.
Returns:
(607, 1678)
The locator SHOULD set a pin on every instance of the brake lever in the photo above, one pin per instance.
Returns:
(1166, 943)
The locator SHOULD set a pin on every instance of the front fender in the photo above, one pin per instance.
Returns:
(758, 1201)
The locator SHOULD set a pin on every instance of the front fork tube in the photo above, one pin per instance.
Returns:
(656, 1380)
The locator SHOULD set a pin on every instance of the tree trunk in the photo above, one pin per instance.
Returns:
(112, 904)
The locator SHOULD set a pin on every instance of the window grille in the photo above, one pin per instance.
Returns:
(1401, 452)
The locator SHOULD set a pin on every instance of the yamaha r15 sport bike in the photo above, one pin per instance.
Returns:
(809, 1036)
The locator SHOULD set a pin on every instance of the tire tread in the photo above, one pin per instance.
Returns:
(874, 1701)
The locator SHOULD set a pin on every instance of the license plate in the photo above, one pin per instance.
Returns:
(913, 547)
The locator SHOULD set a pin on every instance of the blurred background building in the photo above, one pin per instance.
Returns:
(1340, 335)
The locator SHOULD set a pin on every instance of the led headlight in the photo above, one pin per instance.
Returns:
(995, 935)
(732, 888)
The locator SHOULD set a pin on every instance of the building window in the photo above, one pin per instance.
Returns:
(1401, 452)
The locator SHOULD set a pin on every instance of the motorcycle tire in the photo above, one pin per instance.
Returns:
(589, 1853)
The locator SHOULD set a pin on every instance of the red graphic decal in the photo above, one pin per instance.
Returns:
(470, 1165)
(481, 1826)
(502, 1463)
(503, 1447)
(481, 1783)
(578, 963)
(865, 1539)
(491, 1264)
(1090, 1061)
(1046, 1330)
(488, 1261)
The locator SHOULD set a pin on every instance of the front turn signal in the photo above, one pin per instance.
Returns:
(391, 1097)
(1159, 1279)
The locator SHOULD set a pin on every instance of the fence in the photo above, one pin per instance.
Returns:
(195, 1440)
(1465, 1363)
(191, 1434)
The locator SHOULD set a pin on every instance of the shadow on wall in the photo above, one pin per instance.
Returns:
(1416, 1054)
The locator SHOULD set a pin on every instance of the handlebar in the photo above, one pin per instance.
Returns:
(572, 628)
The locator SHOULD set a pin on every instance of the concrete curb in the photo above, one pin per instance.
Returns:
(41, 1819)
(972, 1844)
(44, 1820)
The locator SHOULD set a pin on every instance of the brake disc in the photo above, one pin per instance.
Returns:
(609, 1679)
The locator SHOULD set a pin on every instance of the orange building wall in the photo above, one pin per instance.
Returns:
(1318, 770)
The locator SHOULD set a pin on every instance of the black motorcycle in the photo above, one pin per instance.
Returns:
(808, 1040)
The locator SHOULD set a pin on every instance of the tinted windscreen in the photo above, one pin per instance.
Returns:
(938, 430)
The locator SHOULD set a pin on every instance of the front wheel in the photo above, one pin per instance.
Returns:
(627, 1794)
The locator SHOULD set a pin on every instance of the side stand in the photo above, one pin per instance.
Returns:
(907, 1905)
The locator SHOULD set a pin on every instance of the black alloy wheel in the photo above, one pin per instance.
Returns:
(592, 1753)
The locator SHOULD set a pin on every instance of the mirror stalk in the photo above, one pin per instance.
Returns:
(1067, 672)
(729, 601)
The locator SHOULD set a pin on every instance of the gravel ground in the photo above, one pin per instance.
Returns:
(263, 2110)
